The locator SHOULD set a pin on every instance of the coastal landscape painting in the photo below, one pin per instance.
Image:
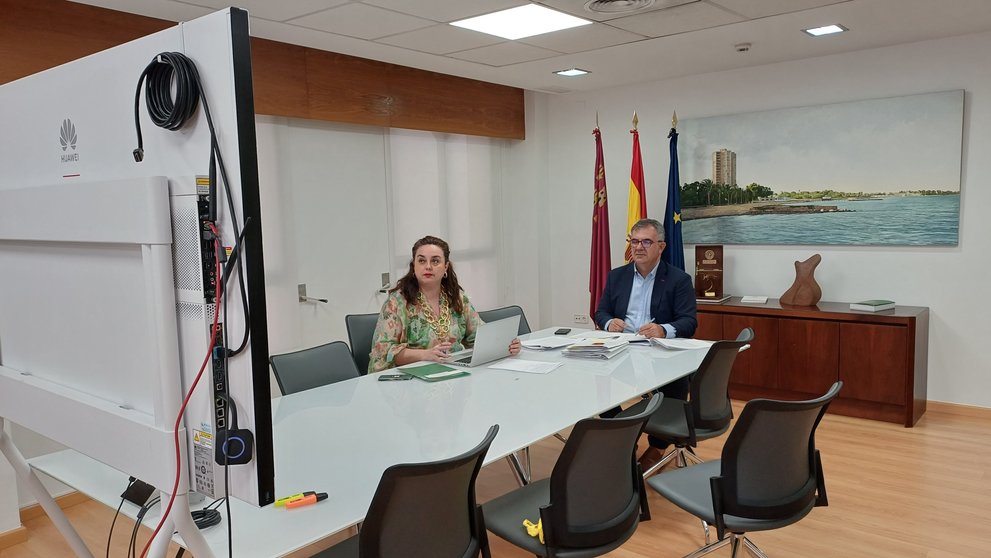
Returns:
(873, 172)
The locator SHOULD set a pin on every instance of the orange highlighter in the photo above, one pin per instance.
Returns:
(306, 500)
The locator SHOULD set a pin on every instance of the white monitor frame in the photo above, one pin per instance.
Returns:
(80, 198)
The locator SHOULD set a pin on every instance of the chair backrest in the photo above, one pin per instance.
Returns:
(505, 312)
(313, 367)
(361, 329)
(427, 510)
(770, 466)
(596, 488)
(710, 403)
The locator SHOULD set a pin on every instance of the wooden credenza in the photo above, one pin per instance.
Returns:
(798, 352)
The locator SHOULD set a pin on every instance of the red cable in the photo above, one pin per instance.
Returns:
(189, 394)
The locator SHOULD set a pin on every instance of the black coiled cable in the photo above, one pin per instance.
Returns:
(163, 110)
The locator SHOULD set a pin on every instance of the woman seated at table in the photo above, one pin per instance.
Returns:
(427, 316)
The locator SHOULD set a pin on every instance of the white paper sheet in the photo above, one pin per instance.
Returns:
(528, 366)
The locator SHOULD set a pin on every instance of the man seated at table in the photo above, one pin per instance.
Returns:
(652, 298)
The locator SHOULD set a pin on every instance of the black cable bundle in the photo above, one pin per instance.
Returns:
(172, 114)
(163, 110)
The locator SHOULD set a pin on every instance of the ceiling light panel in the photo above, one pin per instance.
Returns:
(522, 21)
(825, 30)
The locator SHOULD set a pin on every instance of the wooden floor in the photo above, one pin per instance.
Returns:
(918, 492)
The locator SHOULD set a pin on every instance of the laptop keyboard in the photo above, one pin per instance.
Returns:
(464, 360)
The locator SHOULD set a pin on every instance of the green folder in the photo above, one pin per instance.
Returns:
(434, 372)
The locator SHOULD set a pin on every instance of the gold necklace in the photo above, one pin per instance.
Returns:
(440, 324)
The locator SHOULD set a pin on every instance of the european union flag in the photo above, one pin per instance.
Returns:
(674, 254)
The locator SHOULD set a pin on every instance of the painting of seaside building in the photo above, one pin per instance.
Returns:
(875, 172)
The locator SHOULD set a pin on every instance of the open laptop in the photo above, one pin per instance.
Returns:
(491, 343)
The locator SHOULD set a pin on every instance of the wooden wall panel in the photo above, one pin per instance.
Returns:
(289, 80)
(347, 89)
(42, 34)
(429, 101)
(279, 76)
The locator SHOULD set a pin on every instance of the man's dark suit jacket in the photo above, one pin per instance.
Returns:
(672, 301)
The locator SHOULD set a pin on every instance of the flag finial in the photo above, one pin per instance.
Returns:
(635, 120)
(674, 119)
(596, 119)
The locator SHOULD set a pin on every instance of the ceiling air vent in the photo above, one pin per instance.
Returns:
(617, 6)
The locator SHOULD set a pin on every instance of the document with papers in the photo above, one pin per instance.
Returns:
(529, 366)
(622, 336)
(681, 344)
(596, 348)
(548, 343)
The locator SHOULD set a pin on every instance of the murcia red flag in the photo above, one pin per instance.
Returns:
(601, 260)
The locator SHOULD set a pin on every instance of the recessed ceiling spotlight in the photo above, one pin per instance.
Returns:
(572, 72)
(742, 47)
(825, 30)
(521, 21)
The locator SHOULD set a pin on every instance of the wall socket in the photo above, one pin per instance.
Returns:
(581, 319)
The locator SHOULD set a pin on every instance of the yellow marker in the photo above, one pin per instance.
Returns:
(283, 501)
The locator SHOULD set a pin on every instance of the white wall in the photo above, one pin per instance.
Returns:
(342, 204)
(950, 281)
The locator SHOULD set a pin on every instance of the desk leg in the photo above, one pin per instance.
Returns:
(55, 513)
(521, 471)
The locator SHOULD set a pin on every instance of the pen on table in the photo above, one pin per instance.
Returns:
(306, 500)
(287, 499)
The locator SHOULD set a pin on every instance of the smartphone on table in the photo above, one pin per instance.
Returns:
(394, 377)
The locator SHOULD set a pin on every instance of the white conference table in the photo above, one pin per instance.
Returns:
(339, 438)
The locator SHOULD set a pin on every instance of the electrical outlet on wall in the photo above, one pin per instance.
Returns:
(581, 319)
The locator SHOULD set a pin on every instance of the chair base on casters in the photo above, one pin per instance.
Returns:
(682, 455)
(736, 542)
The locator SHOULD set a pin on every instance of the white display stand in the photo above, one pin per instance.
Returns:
(103, 320)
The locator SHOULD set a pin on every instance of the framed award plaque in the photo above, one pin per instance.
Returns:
(709, 272)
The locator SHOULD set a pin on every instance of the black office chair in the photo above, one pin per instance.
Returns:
(594, 499)
(423, 510)
(313, 367)
(708, 411)
(506, 312)
(361, 329)
(770, 474)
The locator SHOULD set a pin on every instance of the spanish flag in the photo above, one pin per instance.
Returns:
(637, 208)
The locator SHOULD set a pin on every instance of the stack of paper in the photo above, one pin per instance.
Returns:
(630, 337)
(597, 348)
(548, 343)
(681, 344)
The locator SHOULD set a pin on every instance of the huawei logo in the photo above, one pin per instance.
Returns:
(67, 135)
(67, 138)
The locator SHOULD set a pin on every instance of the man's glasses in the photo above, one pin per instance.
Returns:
(646, 243)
